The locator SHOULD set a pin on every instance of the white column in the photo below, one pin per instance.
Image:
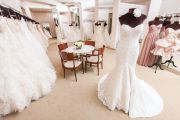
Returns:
(81, 21)
(154, 9)
(69, 14)
(96, 15)
(115, 24)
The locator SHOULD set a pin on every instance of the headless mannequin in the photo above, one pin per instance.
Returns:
(156, 21)
(174, 26)
(105, 24)
(159, 60)
(130, 19)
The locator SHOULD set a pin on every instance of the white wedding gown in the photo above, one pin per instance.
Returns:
(26, 72)
(107, 38)
(99, 37)
(121, 89)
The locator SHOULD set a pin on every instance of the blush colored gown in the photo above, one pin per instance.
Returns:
(146, 58)
(169, 45)
(121, 89)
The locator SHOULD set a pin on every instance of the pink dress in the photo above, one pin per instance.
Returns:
(169, 45)
(146, 58)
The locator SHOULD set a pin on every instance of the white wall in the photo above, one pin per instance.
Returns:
(103, 14)
(170, 6)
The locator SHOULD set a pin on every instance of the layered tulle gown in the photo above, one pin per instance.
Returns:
(146, 58)
(121, 89)
(26, 72)
(169, 45)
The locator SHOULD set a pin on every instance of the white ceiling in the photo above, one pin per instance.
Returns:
(88, 4)
(101, 2)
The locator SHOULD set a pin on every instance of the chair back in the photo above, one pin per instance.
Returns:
(67, 56)
(101, 50)
(91, 43)
(62, 46)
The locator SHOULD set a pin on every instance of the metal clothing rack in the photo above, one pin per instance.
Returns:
(7, 11)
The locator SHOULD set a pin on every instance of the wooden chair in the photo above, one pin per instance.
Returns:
(70, 62)
(62, 46)
(95, 59)
(89, 42)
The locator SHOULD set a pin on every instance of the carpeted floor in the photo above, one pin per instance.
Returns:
(71, 100)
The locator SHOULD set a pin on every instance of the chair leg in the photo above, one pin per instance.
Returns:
(102, 65)
(64, 73)
(75, 74)
(83, 67)
(98, 68)
(90, 64)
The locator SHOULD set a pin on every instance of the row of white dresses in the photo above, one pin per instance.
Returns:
(101, 36)
(74, 34)
(26, 72)
(88, 29)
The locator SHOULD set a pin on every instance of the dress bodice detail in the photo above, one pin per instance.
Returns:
(155, 28)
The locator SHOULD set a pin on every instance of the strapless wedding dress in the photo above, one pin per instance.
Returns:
(121, 88)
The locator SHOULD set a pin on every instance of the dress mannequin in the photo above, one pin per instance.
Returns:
(130, 20)
(158, 63)
(174, 26)
(156, 21)
(121, 89)
(146, 58)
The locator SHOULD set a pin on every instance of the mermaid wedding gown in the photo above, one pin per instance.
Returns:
(122, 89)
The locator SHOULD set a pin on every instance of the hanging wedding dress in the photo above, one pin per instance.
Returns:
(35, 32)
(72, 34)
(47, 33)
(98, 36)
(58, 34)
(122, 89)
(106, 36)
(77, 33)
(26, 71)
(43, 36)
(88, 30)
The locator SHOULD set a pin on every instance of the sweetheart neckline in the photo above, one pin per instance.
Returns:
(172, 29)
(130, 26)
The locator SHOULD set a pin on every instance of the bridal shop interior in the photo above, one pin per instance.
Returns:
(89, 59)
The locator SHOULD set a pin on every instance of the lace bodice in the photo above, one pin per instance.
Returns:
(155, 28)
(129, 34)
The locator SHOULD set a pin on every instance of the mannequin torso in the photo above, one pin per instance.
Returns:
(174, 26)
(156, 21)
(130, 20)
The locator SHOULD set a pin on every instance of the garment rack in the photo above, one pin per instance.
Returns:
(7, 11)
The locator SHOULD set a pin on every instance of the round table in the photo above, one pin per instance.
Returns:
(83, 50)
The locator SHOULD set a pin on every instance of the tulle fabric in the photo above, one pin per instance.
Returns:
(26, 71)
(169, 45)
(121, 89)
